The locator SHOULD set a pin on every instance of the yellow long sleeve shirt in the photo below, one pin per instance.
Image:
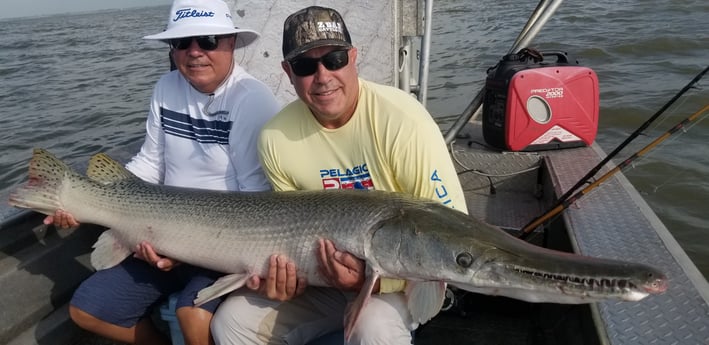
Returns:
(391, 143)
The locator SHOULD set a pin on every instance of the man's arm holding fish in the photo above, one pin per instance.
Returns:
(282, 282)
(61, 219)
(342, 269)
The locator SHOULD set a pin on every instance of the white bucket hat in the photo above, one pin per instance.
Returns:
(190, 18)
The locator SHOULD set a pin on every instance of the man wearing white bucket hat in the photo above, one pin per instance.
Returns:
(202, 130)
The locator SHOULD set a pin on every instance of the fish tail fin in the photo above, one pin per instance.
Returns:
(42, 191)
(105, 170)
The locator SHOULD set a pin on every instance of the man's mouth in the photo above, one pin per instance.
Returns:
(196, 65)
(325, 93)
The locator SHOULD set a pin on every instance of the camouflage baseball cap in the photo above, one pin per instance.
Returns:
(313, 27)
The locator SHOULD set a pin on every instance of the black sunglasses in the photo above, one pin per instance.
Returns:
(210, 42)
(305, 66)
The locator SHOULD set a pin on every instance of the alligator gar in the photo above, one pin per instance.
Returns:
(398, 236)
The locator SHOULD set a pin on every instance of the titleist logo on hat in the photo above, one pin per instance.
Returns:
(313, 27)
(188, 13)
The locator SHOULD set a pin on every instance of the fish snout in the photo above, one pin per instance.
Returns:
(658, 285)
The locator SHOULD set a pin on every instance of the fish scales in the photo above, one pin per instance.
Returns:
(233, 226)
(396, 235)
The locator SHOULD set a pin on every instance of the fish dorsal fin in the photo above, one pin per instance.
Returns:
(105, 170)
(425, 299)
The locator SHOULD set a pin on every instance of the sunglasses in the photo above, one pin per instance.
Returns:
(210, 42)
(305, 66)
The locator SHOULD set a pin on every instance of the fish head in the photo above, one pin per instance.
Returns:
(433, 242)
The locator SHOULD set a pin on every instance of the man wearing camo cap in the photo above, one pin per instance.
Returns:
(342, 133)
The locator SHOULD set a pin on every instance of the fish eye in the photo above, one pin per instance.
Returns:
(464, 259)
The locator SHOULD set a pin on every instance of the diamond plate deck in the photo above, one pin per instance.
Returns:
(612, 221)
(513, 177)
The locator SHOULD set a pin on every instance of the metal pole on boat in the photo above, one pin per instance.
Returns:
(541, 15)
(530, 22)
(425, 53)
(536, 21)
(404, 65)
(566, 198)
(564, 204)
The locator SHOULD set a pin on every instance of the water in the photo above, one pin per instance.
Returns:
(644, 52)
(79, 84)
(75, 84)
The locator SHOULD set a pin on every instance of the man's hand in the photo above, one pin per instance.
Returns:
(341, 269)
(61, 219)
(282, 283)
(145, 251)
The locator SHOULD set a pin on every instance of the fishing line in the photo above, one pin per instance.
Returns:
(683, 129)
(669, 118)
(565, 203)
(491, 183)
(680, 172)
(630, 138)
(558, 206)
(467, 169)
(482, 173)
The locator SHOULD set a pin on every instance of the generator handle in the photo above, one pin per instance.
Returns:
(561, 57)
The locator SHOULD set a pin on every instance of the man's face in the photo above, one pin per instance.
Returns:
(330, 94)
(205, 69)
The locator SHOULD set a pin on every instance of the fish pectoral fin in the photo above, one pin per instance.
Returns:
(108, 251)
(222, 286)
(355, 308)
(425, 299)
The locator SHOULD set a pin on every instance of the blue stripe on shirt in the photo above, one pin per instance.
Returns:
(201, 131)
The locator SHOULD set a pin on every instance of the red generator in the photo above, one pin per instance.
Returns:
(532, 104)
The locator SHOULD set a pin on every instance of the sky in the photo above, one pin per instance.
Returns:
(26, 8)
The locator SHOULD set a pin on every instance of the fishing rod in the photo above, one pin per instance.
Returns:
(565, 203)
(539, 17)
(544, 217)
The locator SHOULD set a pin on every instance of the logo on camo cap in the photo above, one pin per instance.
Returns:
(313, 27)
